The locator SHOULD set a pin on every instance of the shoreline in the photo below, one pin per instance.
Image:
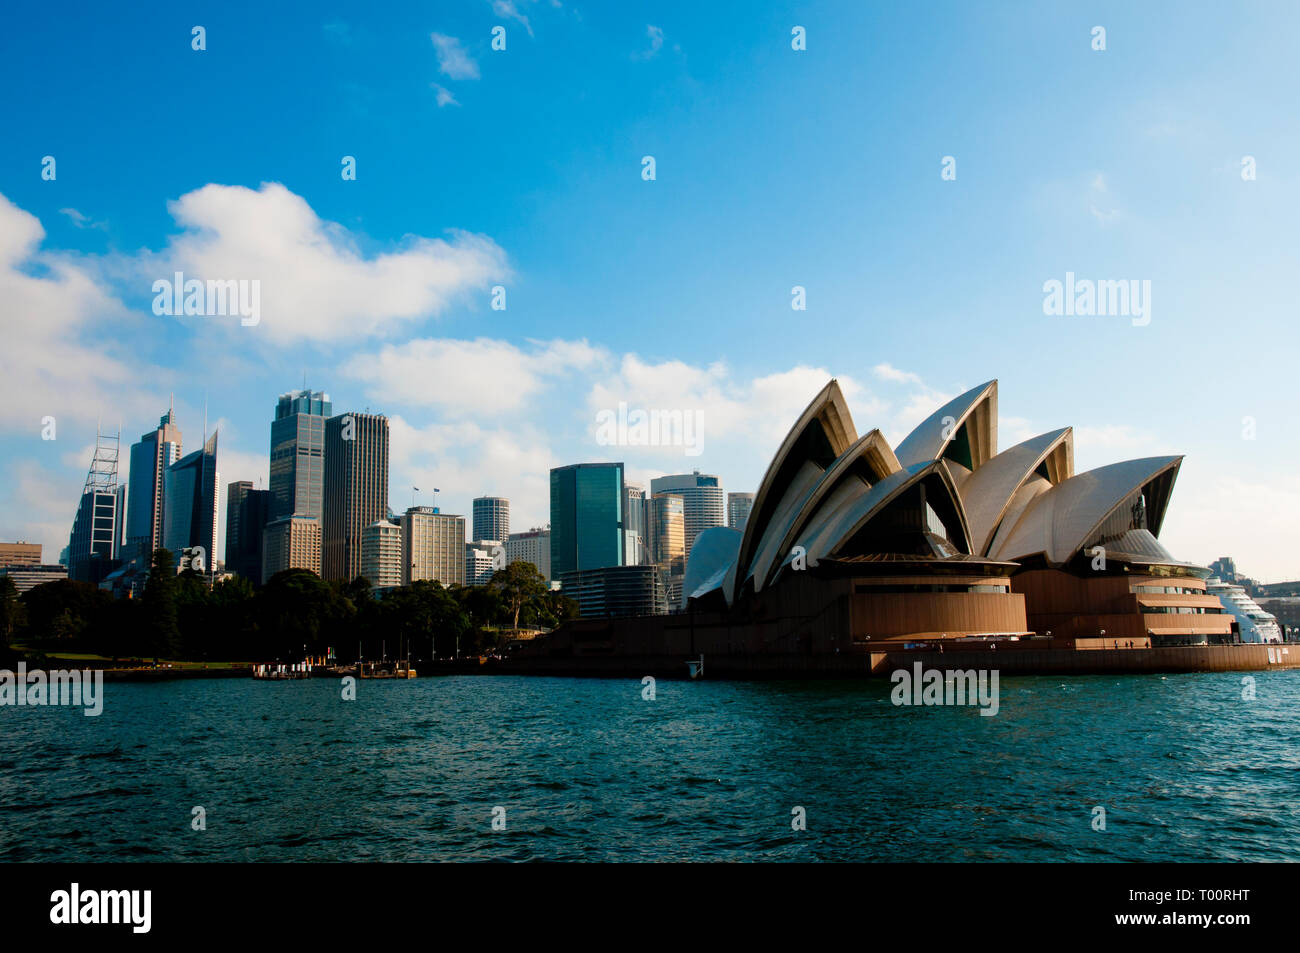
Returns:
(771, 667)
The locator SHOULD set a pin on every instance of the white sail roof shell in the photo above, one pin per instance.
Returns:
(1061, 520)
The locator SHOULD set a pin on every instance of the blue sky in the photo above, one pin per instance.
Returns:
(774, 168)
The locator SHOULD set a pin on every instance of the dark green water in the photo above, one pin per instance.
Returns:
(587, 770)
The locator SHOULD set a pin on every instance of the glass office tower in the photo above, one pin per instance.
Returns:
(190, 499)
(492, 518)
(150, 459)
(298, 454)
(587, 501)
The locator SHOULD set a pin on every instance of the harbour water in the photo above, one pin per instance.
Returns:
(588, 769)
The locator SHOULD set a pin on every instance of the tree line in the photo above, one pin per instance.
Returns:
(295, 615)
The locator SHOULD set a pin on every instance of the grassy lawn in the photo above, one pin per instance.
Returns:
(91, 657)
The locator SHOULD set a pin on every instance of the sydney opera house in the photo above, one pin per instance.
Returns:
(855, 549)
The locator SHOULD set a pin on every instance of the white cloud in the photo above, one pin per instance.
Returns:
(465, 460)
(1101, 204)
(1216, 515)
(339, 31)
(887, 372)
(453, 61)
(507, 9)
(55, 360)
(478, 377)
(38, 505)
(316, 283)
(445, 98)
(656, 37)
(739, 422)
(1112, 437)
(1014, 430)
(82, 221)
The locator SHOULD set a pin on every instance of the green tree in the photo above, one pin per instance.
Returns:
(63, 609)
(423, 613)
(230, 630)
(555, 607)
(160, 593)
(121, 631)
(295, 610)
(517, 584)
(10, 608)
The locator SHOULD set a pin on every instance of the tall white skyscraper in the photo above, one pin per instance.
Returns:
(491, 518)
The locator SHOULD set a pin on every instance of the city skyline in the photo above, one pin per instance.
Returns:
(672, 294)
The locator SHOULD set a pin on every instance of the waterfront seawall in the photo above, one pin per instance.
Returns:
(1032, 661)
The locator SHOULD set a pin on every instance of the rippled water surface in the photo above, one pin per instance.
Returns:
(587, 769)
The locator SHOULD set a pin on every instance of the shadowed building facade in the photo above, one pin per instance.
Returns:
(191, 495)
(613, 592)
(738, 507)
(356, 489)
(150, 458)
(291, 543)
(635, 532)
(247, 513)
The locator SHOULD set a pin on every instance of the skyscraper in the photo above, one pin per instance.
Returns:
(191, 495)
(636, 535)
(290, 543)
(247, 513)
(381, 554)
(738, 507)
(433, 547)
(150, 458)
(97, 527)
(298, 453)
(356, 489)
(587, 501)
(491, 518)
(704, 499)
(668, 533)
(533, 547)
